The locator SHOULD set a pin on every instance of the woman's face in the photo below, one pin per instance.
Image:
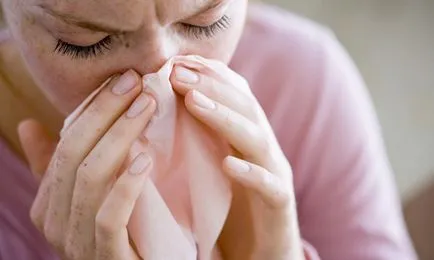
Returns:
(71, 47)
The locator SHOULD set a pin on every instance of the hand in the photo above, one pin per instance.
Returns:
(262, 223)
(81, 207)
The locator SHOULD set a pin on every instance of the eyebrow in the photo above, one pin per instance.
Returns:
(100, 27)
(93, 26)
(211, 5)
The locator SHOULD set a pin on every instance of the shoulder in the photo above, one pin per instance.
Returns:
(277, 40)
(291, 56)
(293, 63)
(310, 89)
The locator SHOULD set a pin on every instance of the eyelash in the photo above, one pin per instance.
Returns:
(85, 52)
(207, 31)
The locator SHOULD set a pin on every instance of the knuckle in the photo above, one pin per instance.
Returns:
(105, 253)
(105, 226)
(78, 209)
(260, 146)
(266, 180)
(66, 152)
(243, 83)
(85, 174)
(54, 236)
(71, 244)
(281, 198)
(255, 115)
(75, 249)
(240, 82)
(72, 251)
(123, 192)
(228, 117)
(63, 151)
(118, 131)
(263, 145)
(278, 194)
(256, 111)
(246, 102)
(227, 121)
(214, 89)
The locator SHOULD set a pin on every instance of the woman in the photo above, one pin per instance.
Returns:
(340, 186)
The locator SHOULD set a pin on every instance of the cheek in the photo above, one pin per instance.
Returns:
(67, 82)
(64, 83)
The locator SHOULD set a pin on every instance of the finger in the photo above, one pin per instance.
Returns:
(37, 145)
(185, 80)
(100, 167)
(40, 205)
(112, 219)
(270, 188)
(38, 149)
(78, 140)
(214, 68)
(245, 136)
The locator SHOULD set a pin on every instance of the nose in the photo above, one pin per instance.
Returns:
(156, 50)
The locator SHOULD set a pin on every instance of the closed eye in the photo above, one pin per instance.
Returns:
(208, 31)
(101, 47)
(83, 52)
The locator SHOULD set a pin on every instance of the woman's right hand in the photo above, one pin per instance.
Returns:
(81, 207)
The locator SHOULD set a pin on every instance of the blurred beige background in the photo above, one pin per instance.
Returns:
(392, 43)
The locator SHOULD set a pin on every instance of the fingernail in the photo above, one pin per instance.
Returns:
(202, 101)
(185, 75)
(125, 83)
(140, 164)
(138, 106)
(237, 165)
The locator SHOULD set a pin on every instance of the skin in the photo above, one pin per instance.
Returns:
(81, 211)
(156, 35)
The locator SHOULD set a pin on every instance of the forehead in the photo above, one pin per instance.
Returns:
(135, 10)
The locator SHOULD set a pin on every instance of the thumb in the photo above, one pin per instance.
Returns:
(37, 145)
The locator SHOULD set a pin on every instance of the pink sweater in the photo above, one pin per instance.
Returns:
(319, 108)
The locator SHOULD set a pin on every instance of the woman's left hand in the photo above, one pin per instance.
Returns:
(222, 100)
